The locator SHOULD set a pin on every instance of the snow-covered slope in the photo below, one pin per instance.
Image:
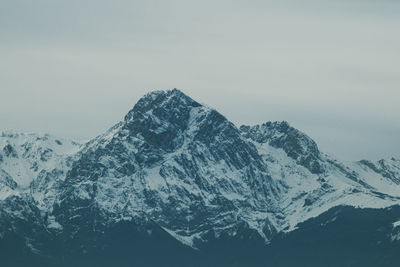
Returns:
(175, 162)
(317, 182)
(184, 167)
(25, 157)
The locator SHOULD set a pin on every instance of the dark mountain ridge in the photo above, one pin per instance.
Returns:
(177, 184)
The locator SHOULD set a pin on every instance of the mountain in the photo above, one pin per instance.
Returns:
(177, 184)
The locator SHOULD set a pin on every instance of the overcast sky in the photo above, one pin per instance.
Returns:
(329, 68)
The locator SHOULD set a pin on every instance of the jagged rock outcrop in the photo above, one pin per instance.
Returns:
(179, 173)
(175, 162)
(296, 144)
(389, 169)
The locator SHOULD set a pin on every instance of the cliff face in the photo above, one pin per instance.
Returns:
(178, 177)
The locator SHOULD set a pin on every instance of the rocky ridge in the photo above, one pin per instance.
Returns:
(178, 165)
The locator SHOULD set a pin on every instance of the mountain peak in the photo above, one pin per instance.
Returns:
(295, 143)
(175, 173)
(159, 101)
(161, 117)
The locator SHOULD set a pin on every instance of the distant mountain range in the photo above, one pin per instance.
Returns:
(177, 184)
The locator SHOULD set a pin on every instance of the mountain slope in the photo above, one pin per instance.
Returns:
(174, 162)
(176, 173)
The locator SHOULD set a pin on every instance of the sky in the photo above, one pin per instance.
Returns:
(329, 68)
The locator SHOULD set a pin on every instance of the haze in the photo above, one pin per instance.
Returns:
(329, 68)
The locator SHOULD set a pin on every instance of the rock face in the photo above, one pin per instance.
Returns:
(174, 178)
(174, 162)
(390, 169)
(296, 144)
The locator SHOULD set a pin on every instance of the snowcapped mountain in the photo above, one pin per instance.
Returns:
(317, 182)
(176, 170)
(25, 157)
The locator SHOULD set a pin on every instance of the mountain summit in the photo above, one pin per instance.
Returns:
(176, 178)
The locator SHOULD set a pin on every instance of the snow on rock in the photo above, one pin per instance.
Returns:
(396, 224)
(185, 167)
(25, 159)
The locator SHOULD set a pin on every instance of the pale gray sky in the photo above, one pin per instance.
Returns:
(330, 68)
